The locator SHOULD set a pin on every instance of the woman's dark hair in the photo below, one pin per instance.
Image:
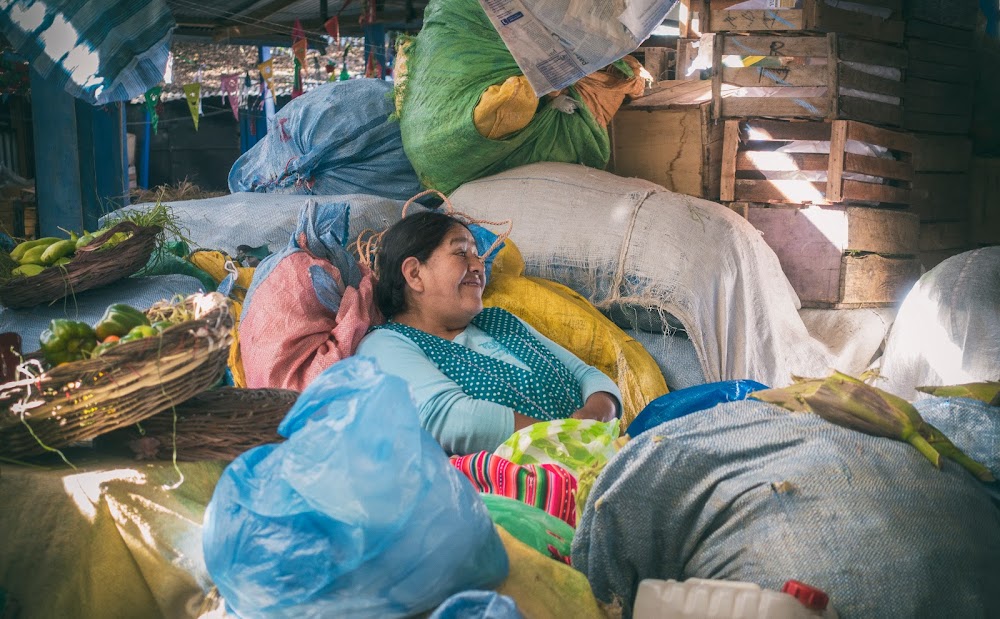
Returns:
(416, 236)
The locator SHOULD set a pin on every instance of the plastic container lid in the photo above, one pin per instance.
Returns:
(810, 597)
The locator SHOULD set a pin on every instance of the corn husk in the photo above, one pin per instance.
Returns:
(988, 391)
(848, 402)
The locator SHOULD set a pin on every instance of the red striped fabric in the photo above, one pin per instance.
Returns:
(549, 487)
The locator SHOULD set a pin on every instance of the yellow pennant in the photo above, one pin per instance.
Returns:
(267, 72)
(192, 92)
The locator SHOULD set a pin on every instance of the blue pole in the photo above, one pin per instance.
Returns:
(99, 134)
(57, 157)
(265, 55)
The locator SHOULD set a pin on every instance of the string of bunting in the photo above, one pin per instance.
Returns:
(237, 92)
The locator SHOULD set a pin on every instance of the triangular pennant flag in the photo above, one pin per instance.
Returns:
(299, 49)
(297, 32)
(152, 97)
(192, 92)
(266, 69)
(231, 90)
(332, 27)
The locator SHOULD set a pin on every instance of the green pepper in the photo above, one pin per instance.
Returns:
(118, 320)
(138, 333)
(162, 325)
(67, 340)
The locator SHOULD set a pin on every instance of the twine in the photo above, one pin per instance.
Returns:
(369, 241)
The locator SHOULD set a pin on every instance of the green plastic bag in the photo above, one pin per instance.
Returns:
(574, 444)
(455, 58)
(544, 532)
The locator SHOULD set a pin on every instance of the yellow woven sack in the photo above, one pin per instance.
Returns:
(214, 263)
(505, 108)
(565, 317)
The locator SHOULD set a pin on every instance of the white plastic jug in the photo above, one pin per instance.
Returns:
(698, 598)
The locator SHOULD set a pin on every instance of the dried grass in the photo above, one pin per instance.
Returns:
(182, 190)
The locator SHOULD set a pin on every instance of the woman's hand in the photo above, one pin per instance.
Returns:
(600, 406)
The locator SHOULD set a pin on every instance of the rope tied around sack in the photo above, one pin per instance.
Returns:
(369, 241)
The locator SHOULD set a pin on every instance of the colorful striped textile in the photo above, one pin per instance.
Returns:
(548, 487)
(102, 50)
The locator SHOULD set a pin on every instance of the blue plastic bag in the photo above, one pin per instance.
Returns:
(478, 605)
(357, 514)
(677, 404)
(334, 140)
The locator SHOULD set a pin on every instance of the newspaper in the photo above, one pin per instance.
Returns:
(556, 42)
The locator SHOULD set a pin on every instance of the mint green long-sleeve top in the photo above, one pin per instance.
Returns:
(459, 422)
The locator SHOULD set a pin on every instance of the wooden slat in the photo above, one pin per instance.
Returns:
(893, 140)
(787, 162)
(874, 279)
(882, 231)
(782, 130)
(929, 51)
(920, 29)
(835, 173)
(857, 191)
(866, 110)
(943, 73)
(942, 153)
(730, 146)
(920, 121)
(943, 235)
(813, 107)
(793, 75)
(742, 21)
(717, 101)
(671, 94)
(877, 166)
(945, 106)
(786, 191)
(896, 6)
(919, 87)
(755, 45)
(833, 19)
(869, 52)
(866, 82)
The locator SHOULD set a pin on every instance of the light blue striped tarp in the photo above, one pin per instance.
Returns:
(103, 50)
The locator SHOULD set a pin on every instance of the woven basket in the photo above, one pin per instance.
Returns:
(90, 268)
(216, 425)
(130, 382)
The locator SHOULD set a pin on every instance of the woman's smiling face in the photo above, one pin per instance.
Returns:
(453, 278)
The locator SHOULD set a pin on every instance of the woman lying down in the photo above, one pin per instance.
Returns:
(476, 375)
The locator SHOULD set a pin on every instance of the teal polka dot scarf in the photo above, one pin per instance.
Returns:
(549, 391)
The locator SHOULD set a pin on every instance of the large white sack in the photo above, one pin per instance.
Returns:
(256, 219)
(947, 331)
(617, 240)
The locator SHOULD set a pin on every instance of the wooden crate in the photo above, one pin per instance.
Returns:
(984, 211)
(661, 62)
(939, 89)
(808, 77)
(689, 18)
(841, 256)
(940, 196)
(813, 16)
(941, 153)
(753, 172)
(669, 138)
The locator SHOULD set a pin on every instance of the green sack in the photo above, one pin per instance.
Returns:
(542, 531)
(455, 58)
